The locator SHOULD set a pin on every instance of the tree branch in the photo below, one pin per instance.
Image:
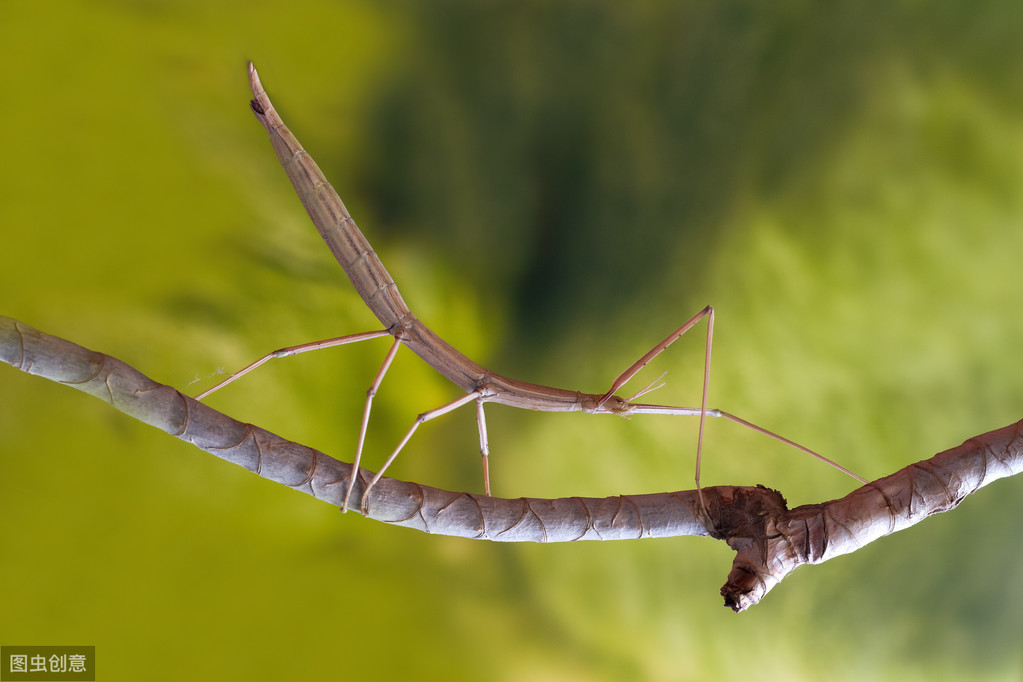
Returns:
(770, 540)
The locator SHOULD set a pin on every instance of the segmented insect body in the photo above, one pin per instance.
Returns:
(380, 294)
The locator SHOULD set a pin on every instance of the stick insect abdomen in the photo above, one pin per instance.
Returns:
(348, 245)
(353, 252)
(377, 288)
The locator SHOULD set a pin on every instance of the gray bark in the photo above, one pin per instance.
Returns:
(770, 540)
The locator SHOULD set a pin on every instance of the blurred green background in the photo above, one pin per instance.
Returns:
(554, 187)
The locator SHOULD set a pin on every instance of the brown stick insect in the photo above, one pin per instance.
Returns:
(379, 292)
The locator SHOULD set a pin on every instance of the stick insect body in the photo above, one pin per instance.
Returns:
(380, 294)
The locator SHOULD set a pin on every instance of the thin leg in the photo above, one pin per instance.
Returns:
(822, 458)
(655, 351)
(707, 312)
(365, 419)
(703, 403)
(645, 408)
(424, 417)
(295, 350)
(481, 422)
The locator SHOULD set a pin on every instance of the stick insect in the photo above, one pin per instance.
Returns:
(380, 294)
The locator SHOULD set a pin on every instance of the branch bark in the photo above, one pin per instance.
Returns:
(769, 539)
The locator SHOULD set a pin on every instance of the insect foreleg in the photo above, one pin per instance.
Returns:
(707, 312)
(760, 429)
(657, 350)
